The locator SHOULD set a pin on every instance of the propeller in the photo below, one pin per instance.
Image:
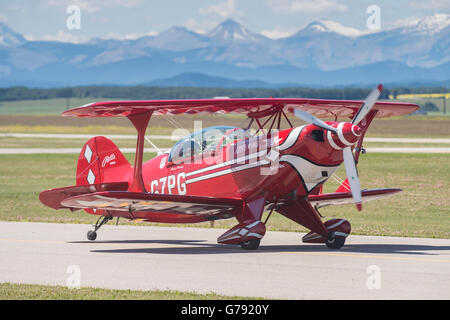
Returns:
(349, 160)
(305, 116)
(368, 104)
(352, 176)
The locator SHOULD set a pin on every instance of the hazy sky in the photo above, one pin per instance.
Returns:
(46, 19)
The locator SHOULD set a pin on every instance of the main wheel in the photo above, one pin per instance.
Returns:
(251, 244)
(91, 235)
(334, 241)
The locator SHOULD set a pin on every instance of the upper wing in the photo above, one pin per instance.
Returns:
(317, 107)
(151, 202)
(327, 199)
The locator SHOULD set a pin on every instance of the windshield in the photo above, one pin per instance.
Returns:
(206, 140)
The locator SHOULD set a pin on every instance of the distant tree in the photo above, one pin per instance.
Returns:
(65, 93)
(146, 92)
(395, 94)
(430, 106)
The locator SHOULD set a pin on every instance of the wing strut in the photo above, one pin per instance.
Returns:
(140, 122)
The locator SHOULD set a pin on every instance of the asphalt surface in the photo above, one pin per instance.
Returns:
(189, 259)
(153, 150)
(394, 149)
(69, 150)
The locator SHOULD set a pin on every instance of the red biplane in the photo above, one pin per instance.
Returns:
(224, 172)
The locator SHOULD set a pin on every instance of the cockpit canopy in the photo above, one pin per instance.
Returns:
(209, 140)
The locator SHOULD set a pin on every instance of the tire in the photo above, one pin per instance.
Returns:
(251, 244)
(91, 235)
(335, 242)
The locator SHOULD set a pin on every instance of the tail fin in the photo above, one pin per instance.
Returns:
(344, 187)
(101, 161)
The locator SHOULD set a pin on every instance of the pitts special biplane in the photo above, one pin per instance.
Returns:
(224, 172)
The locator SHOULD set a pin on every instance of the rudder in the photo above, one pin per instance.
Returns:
(101, 161)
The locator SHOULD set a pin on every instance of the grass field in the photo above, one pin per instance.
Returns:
(45, 116)
(56, 106)
(9, 142)
(15, 142)
(407, 126)
(45, 106)
(422, 210)
(9, 291)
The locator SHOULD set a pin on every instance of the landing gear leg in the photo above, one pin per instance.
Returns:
(92, 234)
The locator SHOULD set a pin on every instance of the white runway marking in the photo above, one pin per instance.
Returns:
(408, 150)
(65, 150)
(174, 138)
(84, 136)
(153, 150)
(408, 140)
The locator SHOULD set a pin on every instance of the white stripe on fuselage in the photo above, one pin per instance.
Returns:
(311, 173)
(227, 171)
(227, 163)
(291, 138)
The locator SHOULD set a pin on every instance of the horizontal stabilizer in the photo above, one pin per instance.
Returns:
(328, 199)
(53, 198)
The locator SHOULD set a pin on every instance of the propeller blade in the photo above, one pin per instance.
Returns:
(305, 116)
(368, 104)
(352, 176)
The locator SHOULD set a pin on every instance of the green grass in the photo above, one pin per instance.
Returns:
(45, 106)
(421, 210)
(13, 142)
(58, 105)
(405, 145)
(405, 126)
(439, 102)
(9, 291)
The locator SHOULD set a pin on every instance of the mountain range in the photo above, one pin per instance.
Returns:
(324, 53)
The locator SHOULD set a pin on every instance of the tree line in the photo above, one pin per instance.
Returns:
(160, 93)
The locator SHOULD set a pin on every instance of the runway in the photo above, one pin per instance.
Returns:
(189, 259)
(153, 150)
(70, 150)
(388, 149)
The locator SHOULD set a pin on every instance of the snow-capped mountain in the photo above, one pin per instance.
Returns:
(174, 39)
(328, 26)
(323, 51)
(230, 31)
(428, 26)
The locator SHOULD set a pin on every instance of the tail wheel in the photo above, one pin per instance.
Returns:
(91, 235)
(251, 244)
(334, 241)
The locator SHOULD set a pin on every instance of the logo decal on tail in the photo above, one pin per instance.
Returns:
(109, 159)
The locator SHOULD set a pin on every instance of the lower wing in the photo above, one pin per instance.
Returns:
(152, 203)
(328, 199)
